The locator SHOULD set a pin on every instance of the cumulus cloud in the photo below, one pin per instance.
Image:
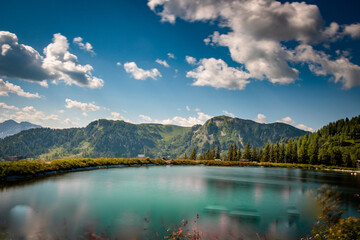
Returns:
(353, 30)
(188, 108)
(30, 114)
(259, 30)
(229, 113)
(7, 87)
(68, 121)
(261, 118)
(118, 64)
(305, 128)
(162, 62)
(287, 120)
(186, 122)
(321, 64)
(118, 116)
(139, 73)
(290, 121)
(84, 107)
(216, 73)
(145, 118)
(24, 62)
(4, 106)
(170, 55)
(190, 60)
(84, 46)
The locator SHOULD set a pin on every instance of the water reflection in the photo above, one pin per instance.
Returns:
(144, 202)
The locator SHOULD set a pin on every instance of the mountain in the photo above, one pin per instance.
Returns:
(108, 138)
(224, 131)
(10, 127)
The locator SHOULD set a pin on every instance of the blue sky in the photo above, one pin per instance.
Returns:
(68, 63)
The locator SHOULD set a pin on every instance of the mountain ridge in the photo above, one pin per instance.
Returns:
(117, 138)
(11, 127)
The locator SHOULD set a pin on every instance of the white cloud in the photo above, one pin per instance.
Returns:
(84, 107)
(118, 116)
(31, 114)
(229, 113)
(261, 118)
(216, 73)
(188, 108)
(145, 118)
(23, 62)
(258, 31)
(65, 65)
(342, 70)
(7, 107)
(197, 109)
(61, 111)
(190, 60)
(162, 62)
(7, 87)
(68, 121)
(287, 120)
(170, 55)
(186, 122)
(118, 64)
(305, 128)
(141, 74)
(353, 30)
(290, 121)
(84, 46)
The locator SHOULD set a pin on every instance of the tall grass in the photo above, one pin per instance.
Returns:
(36, 167)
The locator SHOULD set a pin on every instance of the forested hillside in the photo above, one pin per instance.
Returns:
(107, 138)
(337, 143)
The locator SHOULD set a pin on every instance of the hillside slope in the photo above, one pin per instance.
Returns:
(107, 138)
(10, 127)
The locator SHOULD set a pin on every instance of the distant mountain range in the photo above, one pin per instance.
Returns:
(108, 138)
(10, 127)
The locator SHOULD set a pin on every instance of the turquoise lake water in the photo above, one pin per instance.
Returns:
(142, 203)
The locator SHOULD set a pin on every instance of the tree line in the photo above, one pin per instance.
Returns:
(337, 143)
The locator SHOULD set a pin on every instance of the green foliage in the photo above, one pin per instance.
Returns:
(247, 152)
(230, 153)
(331, 225)
(337, 144)
(193, 154)
(31, 168)
(224, 131)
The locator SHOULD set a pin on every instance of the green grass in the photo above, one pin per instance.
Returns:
(256, 164)
(38, 167)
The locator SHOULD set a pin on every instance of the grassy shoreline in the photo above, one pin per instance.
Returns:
(29, 169)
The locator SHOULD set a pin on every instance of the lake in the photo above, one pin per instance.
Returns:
(144, 202)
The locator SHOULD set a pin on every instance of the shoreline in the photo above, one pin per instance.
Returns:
(26, 170)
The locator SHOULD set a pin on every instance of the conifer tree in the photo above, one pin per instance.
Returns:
(260, 154)
(254, 154)
(288, 156)
(266, 155)
(217, 155)
(230, 153)
(247, 153)
(276, 153)
(282, 153)
(234, 153)
(193, 154)
(239, 154)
